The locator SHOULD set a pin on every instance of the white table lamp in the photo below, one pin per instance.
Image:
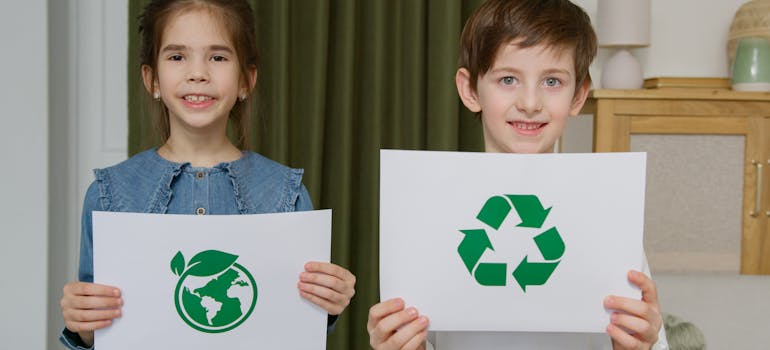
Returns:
(622, 25)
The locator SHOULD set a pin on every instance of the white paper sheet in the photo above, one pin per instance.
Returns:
(596, 206)
(135, 251)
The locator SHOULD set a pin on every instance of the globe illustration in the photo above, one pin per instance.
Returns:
(216, 303)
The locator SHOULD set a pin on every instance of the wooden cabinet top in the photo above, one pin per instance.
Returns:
(679, 94)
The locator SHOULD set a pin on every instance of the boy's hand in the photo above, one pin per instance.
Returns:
(327, 285)
(391, 327)
(87, 307)
(637, 322)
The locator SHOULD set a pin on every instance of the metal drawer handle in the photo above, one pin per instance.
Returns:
(758, 202)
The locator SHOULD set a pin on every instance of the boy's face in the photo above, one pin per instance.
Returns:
(524, 98)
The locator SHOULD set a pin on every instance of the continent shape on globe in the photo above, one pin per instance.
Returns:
(211, 304)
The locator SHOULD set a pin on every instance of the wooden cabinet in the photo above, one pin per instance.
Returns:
(621, 114)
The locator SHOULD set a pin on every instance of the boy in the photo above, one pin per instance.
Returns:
(524, 70)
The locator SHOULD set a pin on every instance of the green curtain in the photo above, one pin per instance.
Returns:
(338, 81)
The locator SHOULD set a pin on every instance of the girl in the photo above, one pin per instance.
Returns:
(199, 63)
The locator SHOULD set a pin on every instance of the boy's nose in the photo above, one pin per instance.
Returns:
(529, 101)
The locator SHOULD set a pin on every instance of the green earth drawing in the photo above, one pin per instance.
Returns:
(213, 301)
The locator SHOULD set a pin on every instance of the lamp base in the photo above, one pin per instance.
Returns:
(622, 71)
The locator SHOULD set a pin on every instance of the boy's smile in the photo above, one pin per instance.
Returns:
(524, 98)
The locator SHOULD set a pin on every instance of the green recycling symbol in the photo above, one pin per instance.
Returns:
(527, 273)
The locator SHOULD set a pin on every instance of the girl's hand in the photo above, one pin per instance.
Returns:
(87, 307)
(327, 285)
(391, 327)
(637, 322)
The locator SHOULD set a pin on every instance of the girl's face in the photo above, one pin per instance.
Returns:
(198, 74)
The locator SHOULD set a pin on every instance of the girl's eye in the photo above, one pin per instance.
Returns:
(175, 58)
(552, 82)
(217, 58)
(507, 80)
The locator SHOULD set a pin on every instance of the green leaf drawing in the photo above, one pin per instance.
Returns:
(177, 264)
(210, 262)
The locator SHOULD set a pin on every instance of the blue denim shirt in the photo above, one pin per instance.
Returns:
(148, 183)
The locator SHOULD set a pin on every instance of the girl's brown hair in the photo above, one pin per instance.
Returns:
(236, 17)
(556, 23)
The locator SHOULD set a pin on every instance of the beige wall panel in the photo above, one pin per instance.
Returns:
(694, 200)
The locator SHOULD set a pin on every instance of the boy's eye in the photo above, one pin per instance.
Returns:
(508, 80)
(552, 82)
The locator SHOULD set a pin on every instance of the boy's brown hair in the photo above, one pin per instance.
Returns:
(557, 24)
(236, 17)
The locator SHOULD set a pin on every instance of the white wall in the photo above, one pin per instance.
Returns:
(24, 185)
(688, 38)
(88, 119)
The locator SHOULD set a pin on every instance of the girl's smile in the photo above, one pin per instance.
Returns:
(198, 101)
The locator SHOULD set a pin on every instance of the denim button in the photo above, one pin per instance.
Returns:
(200, 175)
(200, 211)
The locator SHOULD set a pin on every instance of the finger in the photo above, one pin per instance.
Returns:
(323, 292)
(417, 341)
(376, 313)
(87, 326)
(324, 280)
(84, 288)
(392, 323)
(329, 269)
(382, 309)
(404, 337)
(630, 306)
(646, 284)
(92, 302)
(331, 308)
(637, 327)
(91, 315)
(625, 340)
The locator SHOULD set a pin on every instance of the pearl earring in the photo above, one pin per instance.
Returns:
(156, 95)
(242, 97)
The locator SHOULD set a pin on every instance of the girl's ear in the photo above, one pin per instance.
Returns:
(581, 94)
(252, 77)
(148, 79)
(466, 92)
(245, 91)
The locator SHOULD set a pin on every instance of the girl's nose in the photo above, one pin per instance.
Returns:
(198, 72)
(197, 76)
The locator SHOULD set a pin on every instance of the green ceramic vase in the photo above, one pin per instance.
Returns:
(751, 68)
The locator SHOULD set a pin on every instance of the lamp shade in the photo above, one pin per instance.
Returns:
(623, 23)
